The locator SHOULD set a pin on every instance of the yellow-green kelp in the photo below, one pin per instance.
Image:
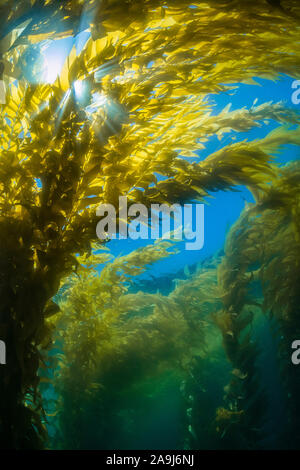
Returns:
(111, 341)
(143, 118)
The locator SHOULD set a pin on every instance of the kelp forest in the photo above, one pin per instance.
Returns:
(102, 348)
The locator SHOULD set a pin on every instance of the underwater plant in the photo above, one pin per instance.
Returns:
(146, 69)
(112, 341)
(262, 251)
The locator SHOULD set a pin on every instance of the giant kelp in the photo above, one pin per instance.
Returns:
(60, 156)
(111, 341)
(262, 248)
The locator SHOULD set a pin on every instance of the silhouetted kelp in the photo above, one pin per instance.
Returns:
(59, 160)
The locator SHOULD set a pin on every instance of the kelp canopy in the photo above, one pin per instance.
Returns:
(147, 69)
